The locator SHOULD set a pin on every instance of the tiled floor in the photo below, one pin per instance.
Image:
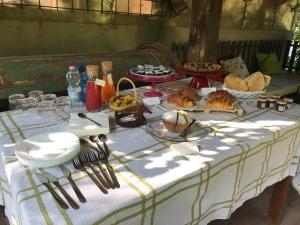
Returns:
(253, 212)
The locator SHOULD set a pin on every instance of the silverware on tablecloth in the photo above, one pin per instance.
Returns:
(55, 181)
(186, 131)
(94, 160)
(78, 164)
(83, 116)
(68, 175)
(103, 158)
(84, 158)
(103, 139)
(87, 142)
(58, 199)
(94, 139)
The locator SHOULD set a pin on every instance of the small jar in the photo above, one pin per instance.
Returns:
(15, 101)
(35, 94)
(48, 97)
(271, 103)
(261, 103)
(276, 97)
(263, 97)
(289, 102)
(281, 106)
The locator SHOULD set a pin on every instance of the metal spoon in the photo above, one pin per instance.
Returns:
(84, 141)
(83, 116)
(94, 139)
(103, 139)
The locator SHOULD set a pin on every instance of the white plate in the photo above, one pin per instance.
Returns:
(48, 149)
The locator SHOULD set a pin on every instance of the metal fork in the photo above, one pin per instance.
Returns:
(103, 158)
(85, 159)
(78, 164)
(95, 161)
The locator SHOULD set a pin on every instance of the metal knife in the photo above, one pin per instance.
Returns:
(55, 181)
(57, 198)
(186, 131)
(67, 174)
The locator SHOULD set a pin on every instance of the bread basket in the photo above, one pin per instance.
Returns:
(244, 94)
(121, 106)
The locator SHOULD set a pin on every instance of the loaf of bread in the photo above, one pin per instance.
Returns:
(234, 82)
(257, 81)
(176, 121)
(221, 100)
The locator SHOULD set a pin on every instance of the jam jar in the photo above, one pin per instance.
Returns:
(276, 97)
(261, 103)
(271, 103)
(289, 102)
(281, 106)
(264, 97)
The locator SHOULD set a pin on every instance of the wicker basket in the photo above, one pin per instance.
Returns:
(244, 94)
(134, 102)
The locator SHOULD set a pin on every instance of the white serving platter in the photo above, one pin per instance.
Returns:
(48, 149)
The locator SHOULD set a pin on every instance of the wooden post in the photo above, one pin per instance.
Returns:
(204, 30)
(278, 200)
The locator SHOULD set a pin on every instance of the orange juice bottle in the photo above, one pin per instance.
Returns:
(108, 90)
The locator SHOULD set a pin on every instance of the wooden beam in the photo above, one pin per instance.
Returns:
(204, 30)
(278, 200)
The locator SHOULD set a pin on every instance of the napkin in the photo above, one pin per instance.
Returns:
(84, 127)
(151, 101)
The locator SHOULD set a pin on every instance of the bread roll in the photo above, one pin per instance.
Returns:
(267, 80)
(257, 82)
(233, 82)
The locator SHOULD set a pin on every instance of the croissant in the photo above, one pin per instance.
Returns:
(180, 101)
(191, 93)
(221, 100)
(234, 82)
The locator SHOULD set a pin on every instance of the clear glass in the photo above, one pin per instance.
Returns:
(48, 97)
(15, 101)
(63, 108)
(47, 111)
(35, 93)
(29, 103)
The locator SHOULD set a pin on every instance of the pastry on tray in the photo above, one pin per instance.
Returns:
(176, 121)
(221, 100)
(185, 98)
(202, 67)
(180, 101)
(191, 93)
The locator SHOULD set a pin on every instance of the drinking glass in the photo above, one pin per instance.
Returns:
(63, 108)
(48, 97)
(35, 94)
(15, 101)
(47, 111)
(29, 103)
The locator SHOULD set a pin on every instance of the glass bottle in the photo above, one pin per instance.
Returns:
(83, 81)
(74, 90)
(93, 91)
(108, 90)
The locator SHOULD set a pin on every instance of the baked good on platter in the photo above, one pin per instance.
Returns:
(180, 101)
(176, 121)
(221, 100)
(191, 93)
(257, 81)
(234, 82)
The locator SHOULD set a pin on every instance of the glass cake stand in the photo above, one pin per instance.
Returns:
(154, 79)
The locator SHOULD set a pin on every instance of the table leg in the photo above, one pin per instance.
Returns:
(278, 200)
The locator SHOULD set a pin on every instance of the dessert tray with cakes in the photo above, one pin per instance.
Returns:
(173, 124)
(202, 67)
(153, 74)
(250, 87)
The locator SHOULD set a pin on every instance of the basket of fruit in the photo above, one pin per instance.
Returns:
(122, 102)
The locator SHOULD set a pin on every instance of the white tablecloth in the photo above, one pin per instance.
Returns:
(161, 182)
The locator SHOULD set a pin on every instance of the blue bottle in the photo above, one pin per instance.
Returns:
(83, 81)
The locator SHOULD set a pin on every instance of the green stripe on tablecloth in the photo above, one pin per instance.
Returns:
(40, 202)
